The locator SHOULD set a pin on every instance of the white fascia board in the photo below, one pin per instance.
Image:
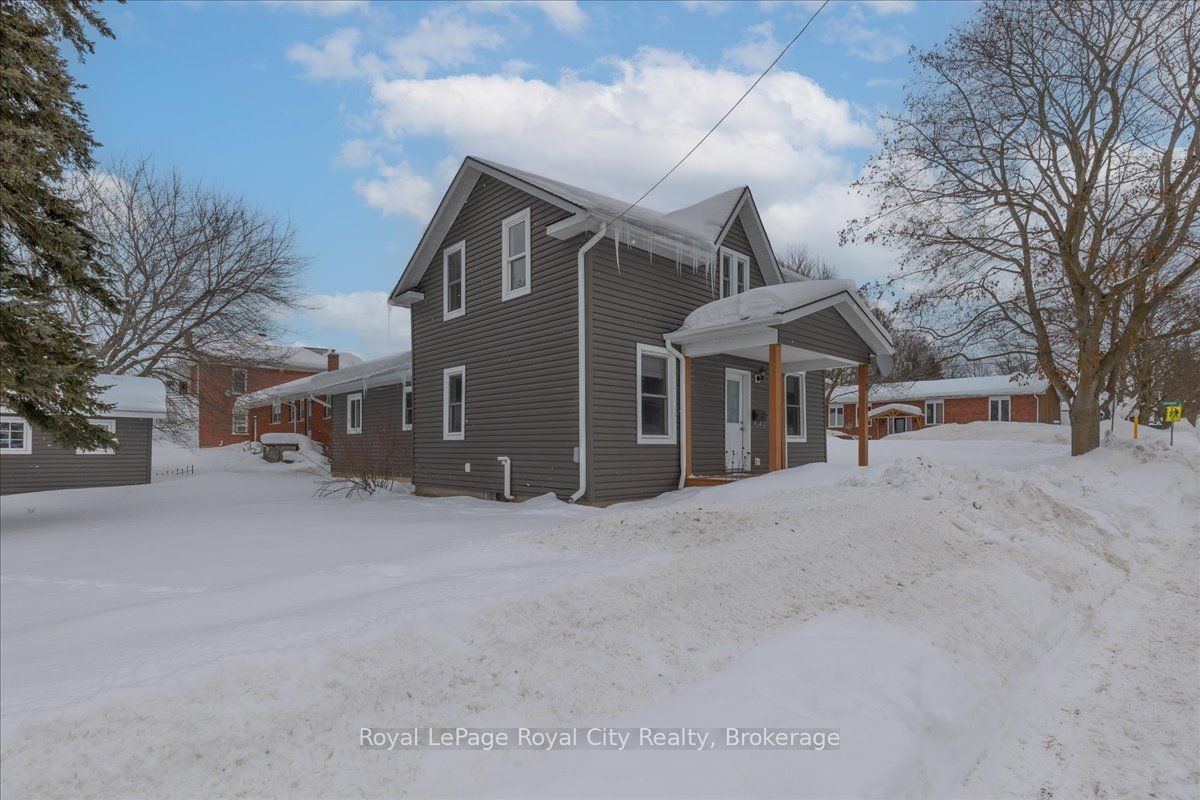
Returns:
(856, 315)
(756, 232)
(729, 343)
(407, 299)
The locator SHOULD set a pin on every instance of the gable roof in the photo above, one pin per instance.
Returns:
(690, 233)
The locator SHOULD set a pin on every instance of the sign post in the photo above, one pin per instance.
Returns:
(1172, 413)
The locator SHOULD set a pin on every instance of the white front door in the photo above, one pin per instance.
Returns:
(737, 420)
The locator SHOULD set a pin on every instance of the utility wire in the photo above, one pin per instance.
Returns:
(732, 108)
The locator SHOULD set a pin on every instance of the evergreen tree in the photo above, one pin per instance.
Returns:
(46, 369)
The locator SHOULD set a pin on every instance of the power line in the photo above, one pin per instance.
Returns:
(711, 130)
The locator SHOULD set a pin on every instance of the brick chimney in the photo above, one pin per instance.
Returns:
(332, 358)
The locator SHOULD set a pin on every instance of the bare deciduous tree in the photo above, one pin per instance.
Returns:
(1043, 182)
(807, 263)
(199, 273)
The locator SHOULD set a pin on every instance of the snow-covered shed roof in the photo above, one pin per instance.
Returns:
(690, 234)
(896, 408)
(132, 396)
(385, 371)
(979, 386)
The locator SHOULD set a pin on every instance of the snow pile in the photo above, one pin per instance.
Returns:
(955, 622)
(901, 407)
(765, 302)
(132, 395)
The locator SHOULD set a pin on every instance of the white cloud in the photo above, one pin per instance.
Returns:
(320, 8)
(757, 50)
(565, 15)
(711, 7)
(335, 59)
(864, 41)
(887, 7)
(442, 38)
(358, 321)
(399, 190)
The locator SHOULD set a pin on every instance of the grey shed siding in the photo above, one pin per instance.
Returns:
(52, 467)
(637, 304)
(383, 440)
(520, 357)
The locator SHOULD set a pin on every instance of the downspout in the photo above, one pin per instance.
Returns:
(582, 333)
(507, 463)
(682, 398)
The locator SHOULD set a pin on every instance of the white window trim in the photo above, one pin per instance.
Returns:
(1007, 397)
(671, 401)
(233, 425)
(350, 400)
(447, 314)
(829, 416)
(276, 412)
(27, 438)
(406, 422)
(111, 426)
(741, 263)
(941, 403)
(507, 293)
(233, 382)
(803, 437)
(446, 374)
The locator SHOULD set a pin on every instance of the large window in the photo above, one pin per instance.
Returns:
(515, 231)
(793, 407)
(16, 437)
(354, 413)
(735, 272)
(109, 425)
(408, 407)
(655, 396)
(238, 381)
(899, 425)
(454, 403)
(454, 281)
(999, 409)
(935, 412)
(837, 416)
(240, 424)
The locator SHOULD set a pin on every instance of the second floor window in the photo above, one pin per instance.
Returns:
(240, 424)
(735, 272)
(515, 231)
(454, 281)
(238, 381)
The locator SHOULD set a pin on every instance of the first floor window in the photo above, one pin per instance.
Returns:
(454, 281)
(15, 436)
(454, 403)
(655, 396)
(408, 407)
(837, 416)
(515, 233)
(109, 425)
(935, 412)
(999, 409)
(238, 381)
(898, 424)
(354, 413)
(276, 412)
(240, 424)
(793, 406)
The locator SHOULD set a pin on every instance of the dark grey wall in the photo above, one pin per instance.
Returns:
(52, 467)
(638, 303)
(825, 332)
(383, 440)
(520, 355)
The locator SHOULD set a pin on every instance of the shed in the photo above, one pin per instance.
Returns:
(31, 461)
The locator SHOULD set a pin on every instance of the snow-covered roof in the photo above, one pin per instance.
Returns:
(385, 371)
(764, 303)
(901, 408)
(132, 396)
(979, 386)
(690, 234)
(314, 358)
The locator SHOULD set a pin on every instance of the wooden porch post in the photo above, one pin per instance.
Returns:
(775, 408)
(687, 413)
(864, 426)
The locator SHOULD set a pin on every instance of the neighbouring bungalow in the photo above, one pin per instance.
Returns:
(369, 407)
(567, 342)
(911, 405)
(31, 461)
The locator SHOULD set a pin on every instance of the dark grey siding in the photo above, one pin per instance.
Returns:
(636, 304)
(813, 449)
(52, 467)
(520, 357)
(383, 441)
(708, 413)
(825, 332)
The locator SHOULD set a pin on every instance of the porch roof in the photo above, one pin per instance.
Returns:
(746, 324)
(896, 410)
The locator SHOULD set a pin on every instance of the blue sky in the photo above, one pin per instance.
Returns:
(349, 118)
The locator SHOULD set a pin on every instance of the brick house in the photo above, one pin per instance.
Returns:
(215, 386)
(919, 404)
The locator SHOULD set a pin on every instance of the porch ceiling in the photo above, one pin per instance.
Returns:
(754, 344)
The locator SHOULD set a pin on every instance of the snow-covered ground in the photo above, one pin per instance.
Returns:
(977, 614)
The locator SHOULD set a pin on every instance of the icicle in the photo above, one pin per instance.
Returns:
(617, 247)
